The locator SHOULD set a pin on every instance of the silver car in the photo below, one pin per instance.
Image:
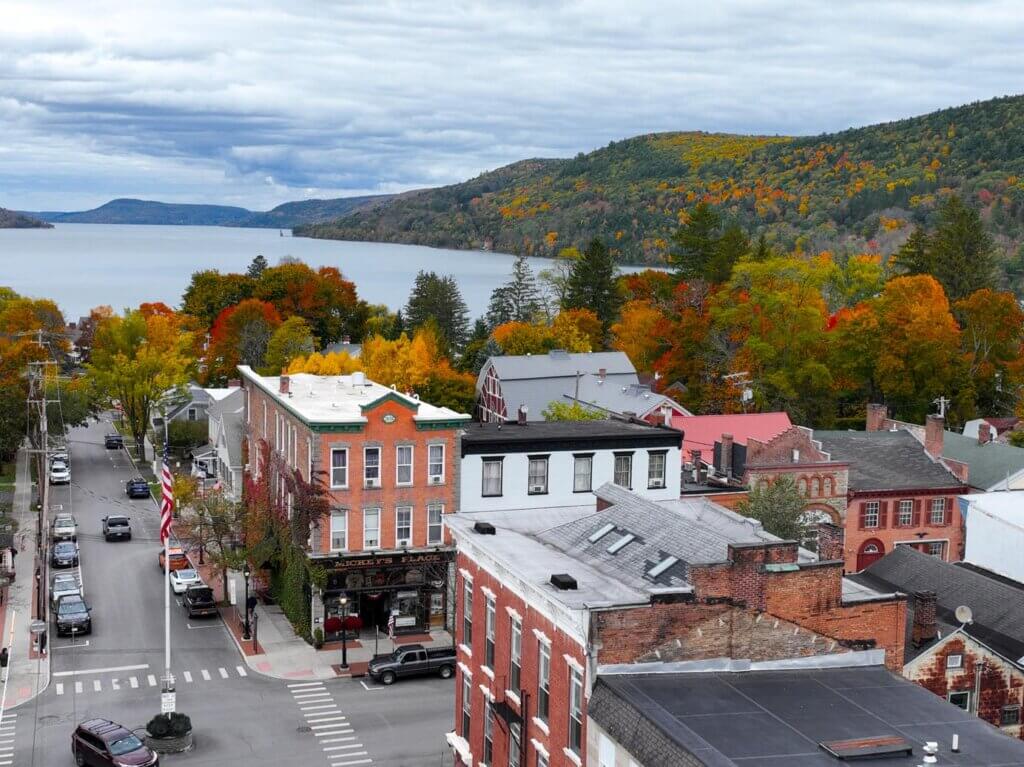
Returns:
(60, 474)
(64, 584)
(65, 528)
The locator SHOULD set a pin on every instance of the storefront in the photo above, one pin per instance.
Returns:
(411, 587)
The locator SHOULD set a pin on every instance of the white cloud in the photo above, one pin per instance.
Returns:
(254, 103)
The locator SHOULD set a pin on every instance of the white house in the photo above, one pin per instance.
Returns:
(557, 464)
(221, 458)
(994, 532)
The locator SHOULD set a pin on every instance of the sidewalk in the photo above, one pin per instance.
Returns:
(29, 674)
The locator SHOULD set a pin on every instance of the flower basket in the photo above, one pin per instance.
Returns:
(169, 733)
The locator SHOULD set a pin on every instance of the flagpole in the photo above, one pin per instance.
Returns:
(166, 517)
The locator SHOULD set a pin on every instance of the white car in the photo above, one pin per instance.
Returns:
(64, 584)
(182, 579)
(60, 474)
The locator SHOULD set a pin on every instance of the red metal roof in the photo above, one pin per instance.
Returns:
(701, 432)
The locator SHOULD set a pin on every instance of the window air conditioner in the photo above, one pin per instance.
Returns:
(435, 479)
(536, 488)
(373, 483)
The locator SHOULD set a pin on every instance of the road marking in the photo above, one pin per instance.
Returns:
(206, 675)
(207, 626)
(115, 684)
(370, 689)
(241, 671)
(84, 671)
(307, 697)
(306, 684)
(223, 672)
(351, 762)
(60, 688)
(338, 740)
(188, 676)
(133, 682)
(341, 728)
(69, 646)
(325, 717)
(78, 688)
(151, 679)
(97, 685)
(343, 748)
(311, 708)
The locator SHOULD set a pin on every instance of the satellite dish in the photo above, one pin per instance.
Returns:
(964, 615)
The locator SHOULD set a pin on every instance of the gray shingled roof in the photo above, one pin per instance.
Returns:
(998, 607)
(556, 364)
(885, 460)
(616, 397)
(233, 429)
(989, 464)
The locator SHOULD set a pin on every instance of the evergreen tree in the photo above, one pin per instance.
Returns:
(477, 340)
(963, 251)
(257, 267)
(593, 284)
(519, 299)
(435, 298)
(730, 248)
(696, 243)
(488, 350)
(915, 255)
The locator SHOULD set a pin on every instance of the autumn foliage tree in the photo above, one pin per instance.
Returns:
(636, 333)
(240, 336)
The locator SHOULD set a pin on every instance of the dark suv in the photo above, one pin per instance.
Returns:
(113, 442)
(100, 742)
(117, 527)
(137, 488)
(72, 616)
(64, 554)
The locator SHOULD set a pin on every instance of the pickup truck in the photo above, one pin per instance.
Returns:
(412, 660)
(198, 600)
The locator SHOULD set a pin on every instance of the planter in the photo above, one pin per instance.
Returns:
(170, 744)
(169, 734)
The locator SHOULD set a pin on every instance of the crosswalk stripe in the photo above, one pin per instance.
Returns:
(342, 728)
(223, 672)
(324, 716)
(338, 740)
(306, 684)
(97, 685)
(318, 706)
(206, 675)
(343, 748)
(115, 684)
(303, 696)
(241, 671)
(151, 680)
(60, 688)
(133, 682)
(188, 676)
(78, 688)
(351, 762)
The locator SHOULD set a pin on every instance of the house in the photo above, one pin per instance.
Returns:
(188, 404)
(1000, 429)
(811, 712)
(974, 658)
(602, 381)
(558, 464)
(390, 464)
(994, 532)
(221, 458)
(545, 601)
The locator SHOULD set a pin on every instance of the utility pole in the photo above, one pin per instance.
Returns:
(942, 402)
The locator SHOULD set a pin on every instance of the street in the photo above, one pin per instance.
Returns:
(239, 717)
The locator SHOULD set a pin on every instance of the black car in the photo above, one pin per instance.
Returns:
(72, 616)
(100, 742)
(64, 554)
(117, 527)
(113, 442)
(137, 488)
(198, 600)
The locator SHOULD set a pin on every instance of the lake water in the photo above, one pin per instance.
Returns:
(85, 265)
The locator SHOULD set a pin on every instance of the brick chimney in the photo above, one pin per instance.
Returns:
(933, 429)
(726, 456)
(234, 383)
(984, 433)
(876, 416)
(602, 373)
(830, 542)
(283, 385)
(925, 628)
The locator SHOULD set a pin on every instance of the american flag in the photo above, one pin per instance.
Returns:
(391, 626)
(166, 502)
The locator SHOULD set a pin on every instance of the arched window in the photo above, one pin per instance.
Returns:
(802, 486)
(828, 486)
(816, 487)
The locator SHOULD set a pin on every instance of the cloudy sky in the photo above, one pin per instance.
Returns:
(256, 102)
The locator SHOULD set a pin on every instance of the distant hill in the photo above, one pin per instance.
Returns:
(10, 219)
(286, 216)
(860, 189)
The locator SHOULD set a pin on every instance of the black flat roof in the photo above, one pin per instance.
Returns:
(779, 718)
(539, 436)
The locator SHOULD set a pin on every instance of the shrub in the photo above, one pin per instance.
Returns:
(169, 725)
(318, 637)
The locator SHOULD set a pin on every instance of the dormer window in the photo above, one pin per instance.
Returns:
(620, 544)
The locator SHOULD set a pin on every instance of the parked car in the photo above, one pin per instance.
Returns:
(178, 559)
(113, 442)
(72, 616)
(60, 455)
(198, 600)
(137, 488)
(412, 660)
(102, 743)
(183, 578)
(64, 554)
(60, 474)
(64, 585)
(117, 527)
(64, 528)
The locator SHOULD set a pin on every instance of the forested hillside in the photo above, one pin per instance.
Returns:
(10, 219)
(861, 189)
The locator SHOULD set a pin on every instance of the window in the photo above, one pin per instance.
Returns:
(1009, 715)
(492, 477)
(467, 612)
(403, 526)
(542, 761)
(871, 514)
(435, 464)
(954, 661)
(435, 530)
(543, 679)
(339, 530)
(403, 465)
(192, 415)
(371, 528)
(655, 470)
(515, 744)
(961, 700)
(582, 473)
(488, 733)
(489, 635)
(339, 467)
(623, 470)
(575, 710)
(938, 511)
(538, 479)
(906, 516)
(467, 705)
(371, 466)
(515, 655)
(936, 548)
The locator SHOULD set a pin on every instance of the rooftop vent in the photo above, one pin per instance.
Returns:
(601, 533)
(563, 582)
(662, 566)
(359, 378)
(620, 544)
(483, 528)
(559, 354)
(867, 748)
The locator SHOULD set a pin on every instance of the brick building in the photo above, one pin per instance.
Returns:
(545, 599)
(390, 463)
(978, 666)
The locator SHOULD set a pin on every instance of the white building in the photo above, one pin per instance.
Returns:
(220, 460)
(994, 532)
(557, 464)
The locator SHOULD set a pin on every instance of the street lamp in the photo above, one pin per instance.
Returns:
(246, 635)
(344, 630)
